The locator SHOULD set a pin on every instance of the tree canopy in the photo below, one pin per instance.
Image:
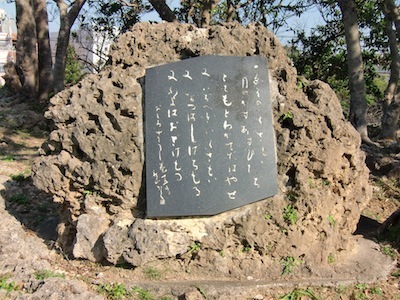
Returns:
(357, 37)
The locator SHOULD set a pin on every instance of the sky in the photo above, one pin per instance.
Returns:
(306, 21)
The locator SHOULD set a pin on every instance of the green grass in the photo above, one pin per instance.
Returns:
(290, 214)
(325, 183)
(7, 285)
(396, 273)
(143, 294)
(299, 294)
(331, 220)
(114, 291)
(388, 250)
(8, 158)
(18, 177)
(288, 263)
(331, 259)
(19, 199)
(152, 273)
(44, 274)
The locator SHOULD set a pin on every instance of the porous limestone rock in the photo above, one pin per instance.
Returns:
(93, 165)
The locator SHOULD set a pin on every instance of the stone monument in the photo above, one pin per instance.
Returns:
(209, 140)
(93, 163)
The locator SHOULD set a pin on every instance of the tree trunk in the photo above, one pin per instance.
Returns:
(394, 14)
(358, 104)
(165, 13)
(45, 63)
(391, 104)
(67, 19)
(26, 48)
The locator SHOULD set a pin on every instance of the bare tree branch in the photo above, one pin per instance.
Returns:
(163, 10)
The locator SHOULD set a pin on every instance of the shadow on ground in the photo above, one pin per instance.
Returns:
(33, 208)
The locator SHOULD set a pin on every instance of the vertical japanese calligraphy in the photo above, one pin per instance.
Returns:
(209, 138)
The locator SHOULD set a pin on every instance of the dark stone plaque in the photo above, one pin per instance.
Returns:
(209, 139)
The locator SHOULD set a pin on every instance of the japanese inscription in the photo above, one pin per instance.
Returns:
(209, 139)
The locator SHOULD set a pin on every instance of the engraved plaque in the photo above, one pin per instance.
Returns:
(209, 138)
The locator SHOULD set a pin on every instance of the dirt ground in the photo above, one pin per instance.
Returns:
(23, 130)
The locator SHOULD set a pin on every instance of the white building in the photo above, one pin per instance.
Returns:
(8, 38)
(92, 47)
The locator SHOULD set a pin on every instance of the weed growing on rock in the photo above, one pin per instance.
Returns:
(297, 294)
(396, 273)
(246, 249)
(287, 116)
(331, 220)
(288, 263)
(388, 250)
(87, 192)
(311, 182)
(325, 183)
(267, 216)
(7, 285)
(195, 247)
(290, 214)
(44, 274)
(331, 258)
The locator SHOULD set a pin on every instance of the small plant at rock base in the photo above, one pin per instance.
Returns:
(311, 182)
(286, 116)
(331, 259)
(290, 214)
(331, 220)
(44, 274)
(221, 253)
(114, 291)
(325, 183)
(388, 250)
(288, 263)
(142, 294)
(18, 177)
(195, 247)
(7, 285)
(151, 273)
(267, 216)
(376, 291)
(361, 287)
(297, 294)
(19, 199)
(396, 273)
(8, 158)
(301, 82)
(201, 291)
(246, 249)
(341, 289)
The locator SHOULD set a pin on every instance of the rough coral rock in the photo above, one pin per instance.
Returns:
(92, 163)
